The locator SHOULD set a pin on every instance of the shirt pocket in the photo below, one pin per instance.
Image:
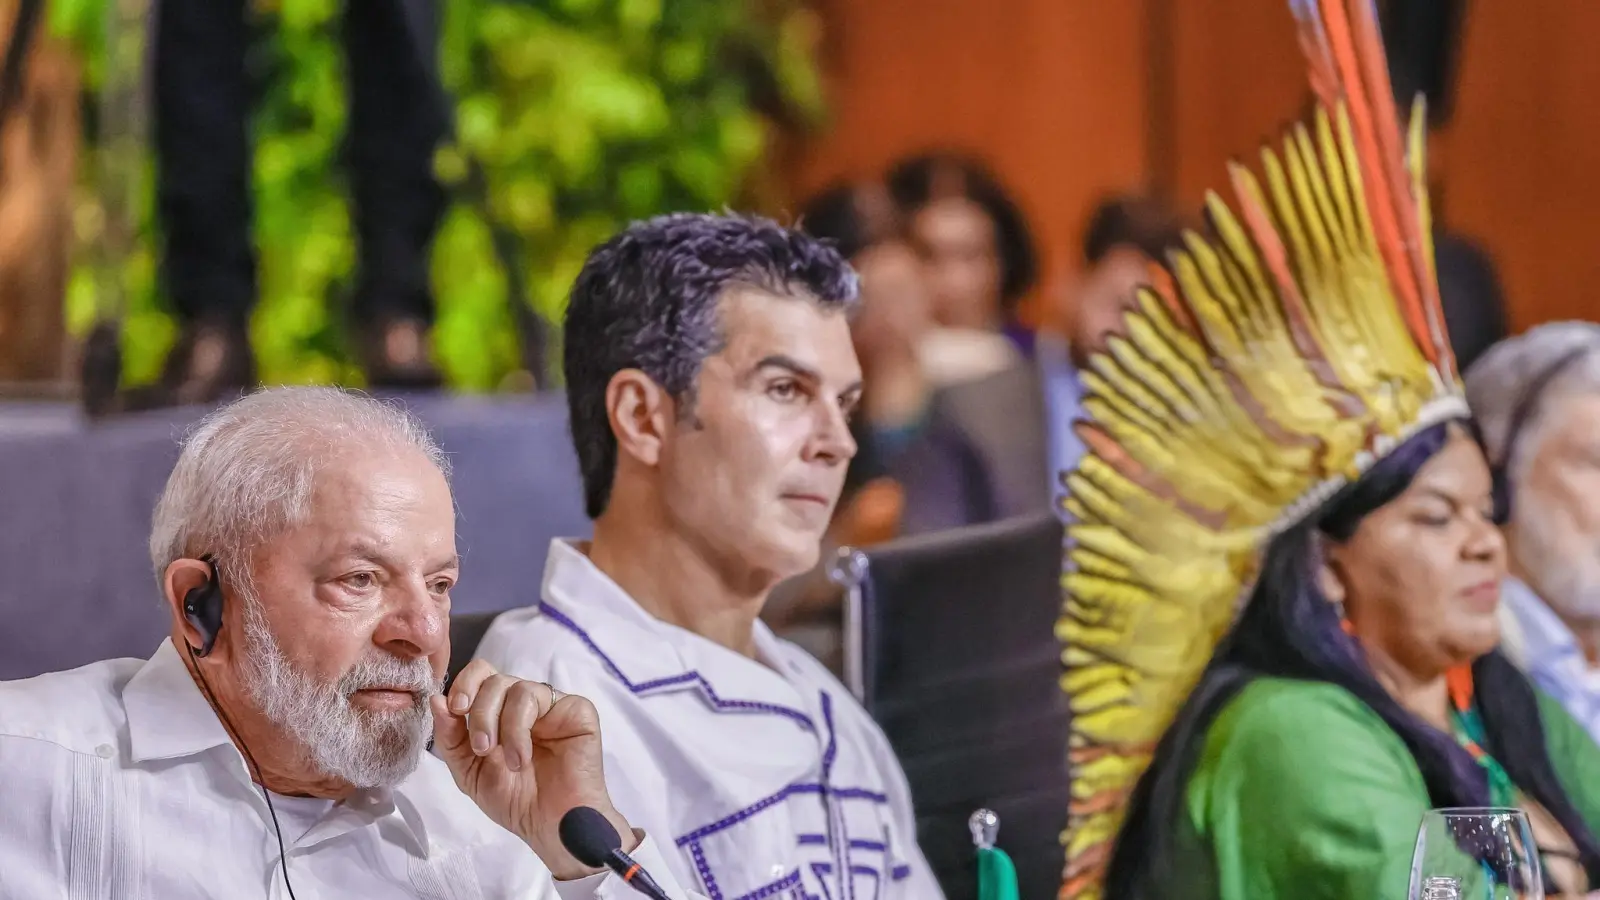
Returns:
(777, 847)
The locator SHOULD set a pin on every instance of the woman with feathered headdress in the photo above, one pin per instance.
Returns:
(1280, 622)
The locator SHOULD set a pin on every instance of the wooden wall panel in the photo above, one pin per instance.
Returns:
(1049, 91)
(1521, 160)
(1237, 80)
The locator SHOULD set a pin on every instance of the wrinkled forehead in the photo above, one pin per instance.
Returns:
(382, 500)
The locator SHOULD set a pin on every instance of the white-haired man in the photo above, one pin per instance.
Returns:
(305, 547)
(1537, 401)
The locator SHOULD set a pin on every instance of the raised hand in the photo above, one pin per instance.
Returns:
(526, 754)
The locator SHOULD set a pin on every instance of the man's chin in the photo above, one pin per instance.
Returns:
(386, 748)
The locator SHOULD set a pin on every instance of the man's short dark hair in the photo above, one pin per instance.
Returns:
(648, 299)
(1130, 220)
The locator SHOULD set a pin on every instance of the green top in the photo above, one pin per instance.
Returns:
(1302, 792)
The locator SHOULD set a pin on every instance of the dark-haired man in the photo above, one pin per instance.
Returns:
(711, 378)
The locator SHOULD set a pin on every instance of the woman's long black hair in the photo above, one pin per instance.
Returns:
(1289, 629)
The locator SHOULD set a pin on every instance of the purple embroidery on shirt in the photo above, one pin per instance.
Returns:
(901, 872)
(833, 840)
(788, 881)
(877, 879)
(705, 872)
(822, 870)
(767, 802)
(831, 753)
(859, 794)
(690, 677)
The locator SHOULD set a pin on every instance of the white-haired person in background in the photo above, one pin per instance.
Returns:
(305, 548)
(1536, 398)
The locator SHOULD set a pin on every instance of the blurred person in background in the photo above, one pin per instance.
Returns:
(1537, 399)
(893, 318)
(398, 115)
(996, 447)
(980, 261)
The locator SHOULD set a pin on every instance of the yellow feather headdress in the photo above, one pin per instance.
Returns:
(1303, 343)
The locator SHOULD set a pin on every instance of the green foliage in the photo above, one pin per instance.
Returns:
(580, 114)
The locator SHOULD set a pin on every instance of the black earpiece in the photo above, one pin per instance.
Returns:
(1523, 413)
(202, 607)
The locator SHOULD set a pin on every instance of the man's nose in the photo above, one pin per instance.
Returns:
(417, 624)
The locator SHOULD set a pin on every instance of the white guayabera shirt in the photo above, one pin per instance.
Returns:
(118, 782)
(767, 777)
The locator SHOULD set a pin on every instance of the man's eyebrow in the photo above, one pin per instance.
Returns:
(784, 361)
(798, 368)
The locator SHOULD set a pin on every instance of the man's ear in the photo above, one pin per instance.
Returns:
(181, 577)
(640, 413)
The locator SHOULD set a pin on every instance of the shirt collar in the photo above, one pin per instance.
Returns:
(633, 643)
(168, 716)
(1547, 637)
(651, 656)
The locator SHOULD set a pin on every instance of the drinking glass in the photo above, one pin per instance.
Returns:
(1476, 854)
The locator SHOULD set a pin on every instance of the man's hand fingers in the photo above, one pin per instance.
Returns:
(483, 719)
(465, 687)
(449, 731)
(525, 704)
(571, 716)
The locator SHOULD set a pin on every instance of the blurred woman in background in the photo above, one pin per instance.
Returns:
(980, 261)
(894, 318)
(893, 321)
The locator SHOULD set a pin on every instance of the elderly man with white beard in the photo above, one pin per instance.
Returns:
(274, 745)
(1537, 401)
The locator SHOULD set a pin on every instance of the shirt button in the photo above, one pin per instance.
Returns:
(105, 751)
(777, 870)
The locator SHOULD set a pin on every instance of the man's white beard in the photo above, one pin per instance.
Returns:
(364, 748)
(1562, 567)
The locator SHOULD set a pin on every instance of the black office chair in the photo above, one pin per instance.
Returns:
(950, 643)
(466, 633)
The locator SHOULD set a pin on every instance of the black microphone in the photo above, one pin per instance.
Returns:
(590, 838)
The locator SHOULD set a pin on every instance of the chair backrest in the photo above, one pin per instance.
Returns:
(466, 633)
(957, 660)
